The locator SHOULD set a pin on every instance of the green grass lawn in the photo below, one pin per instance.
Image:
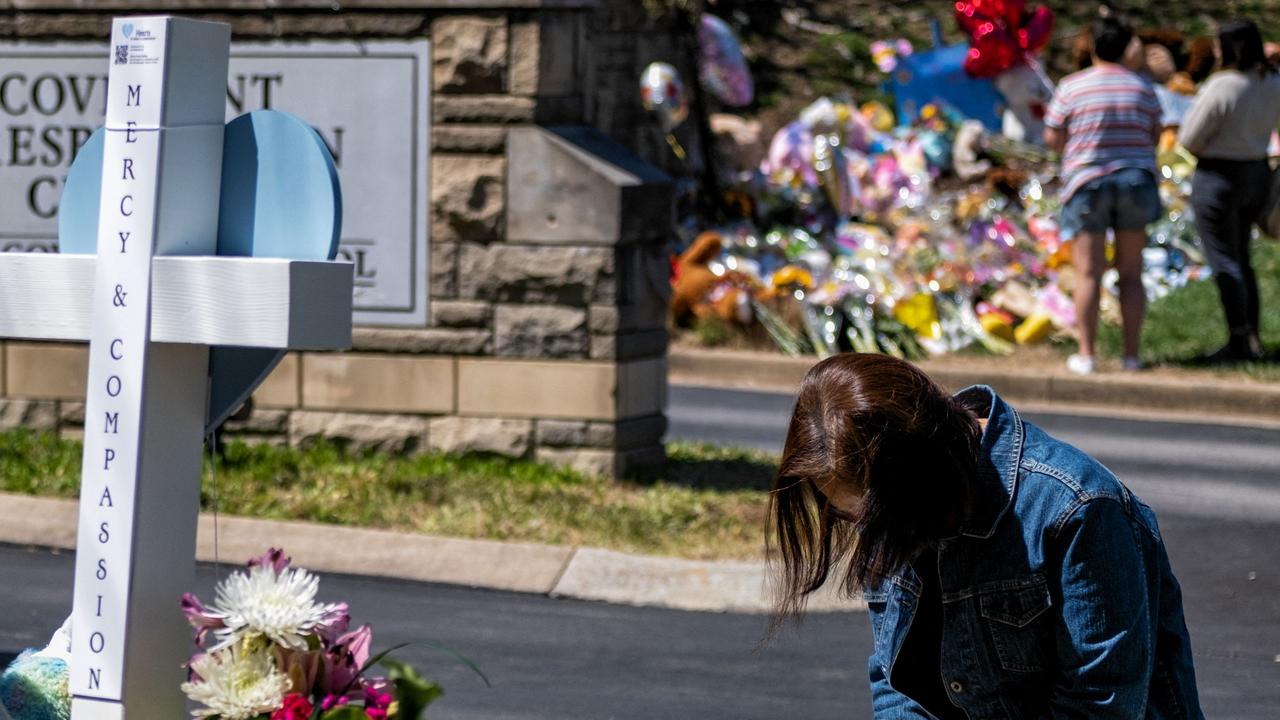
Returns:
(1189, 322)
(709, 503)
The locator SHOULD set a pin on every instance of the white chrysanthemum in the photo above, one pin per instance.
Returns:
(282, 607)
(236, 684)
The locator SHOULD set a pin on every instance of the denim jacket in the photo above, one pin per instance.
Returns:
(1058, 599)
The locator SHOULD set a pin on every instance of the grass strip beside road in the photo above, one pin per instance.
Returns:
(708, 504)
(1189, 322)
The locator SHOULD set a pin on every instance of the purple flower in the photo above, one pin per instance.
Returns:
(199, 617)
(274, 559)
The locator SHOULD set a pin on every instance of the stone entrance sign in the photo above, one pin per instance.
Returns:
(368, 100)
(545, 334)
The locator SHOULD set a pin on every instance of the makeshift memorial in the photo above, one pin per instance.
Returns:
(853, 238)
(152, 301)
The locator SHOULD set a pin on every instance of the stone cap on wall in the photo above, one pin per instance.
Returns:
(183, 6)
(576, 185)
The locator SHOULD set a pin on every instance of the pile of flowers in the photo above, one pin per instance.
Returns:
(918, 239)
(270, 651)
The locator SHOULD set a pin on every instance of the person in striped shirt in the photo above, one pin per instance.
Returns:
(1105, 122)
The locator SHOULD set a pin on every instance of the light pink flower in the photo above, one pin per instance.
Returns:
(347, 656)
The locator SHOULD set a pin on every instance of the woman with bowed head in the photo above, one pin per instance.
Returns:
(1007, 574)
(1228, 129)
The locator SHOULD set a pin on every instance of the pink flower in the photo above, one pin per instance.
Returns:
(199, 617)
(296, 707)
(274, 559)
(347, 656)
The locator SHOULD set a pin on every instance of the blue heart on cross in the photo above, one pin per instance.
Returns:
(280, 199)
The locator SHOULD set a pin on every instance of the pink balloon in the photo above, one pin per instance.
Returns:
(722, 66)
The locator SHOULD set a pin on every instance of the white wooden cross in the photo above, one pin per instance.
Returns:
(151, 303)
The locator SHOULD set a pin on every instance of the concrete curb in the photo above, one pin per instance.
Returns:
(1127, 392)
(579, 573)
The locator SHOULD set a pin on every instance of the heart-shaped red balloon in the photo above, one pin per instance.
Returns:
(1001, 33)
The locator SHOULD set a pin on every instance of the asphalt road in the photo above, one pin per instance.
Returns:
(1216, 489)
(547, 659)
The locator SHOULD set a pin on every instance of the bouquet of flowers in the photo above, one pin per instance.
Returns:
(270, 651)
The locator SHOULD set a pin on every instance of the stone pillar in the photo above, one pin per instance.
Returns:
(583, 275)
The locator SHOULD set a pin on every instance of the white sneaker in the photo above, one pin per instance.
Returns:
(1080, 364)
(1132, 364)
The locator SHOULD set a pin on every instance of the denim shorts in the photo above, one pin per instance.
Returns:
(1126, 199)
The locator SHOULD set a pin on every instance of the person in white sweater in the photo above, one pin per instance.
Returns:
(1228, 129)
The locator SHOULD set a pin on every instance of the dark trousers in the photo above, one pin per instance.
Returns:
(1227, 196)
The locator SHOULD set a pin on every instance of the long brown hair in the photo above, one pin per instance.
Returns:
(1242, 47)
(881, 428)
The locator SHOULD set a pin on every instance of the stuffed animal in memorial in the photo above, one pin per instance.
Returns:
(35, 686)
(1027, 92)
(699, 292)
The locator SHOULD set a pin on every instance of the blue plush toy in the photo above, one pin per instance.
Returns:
(35, 685)
(938, 76)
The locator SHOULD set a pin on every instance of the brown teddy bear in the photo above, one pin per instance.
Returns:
(698, 292)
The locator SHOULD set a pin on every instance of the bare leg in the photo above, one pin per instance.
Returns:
(1089, 258)
(1133, 300)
